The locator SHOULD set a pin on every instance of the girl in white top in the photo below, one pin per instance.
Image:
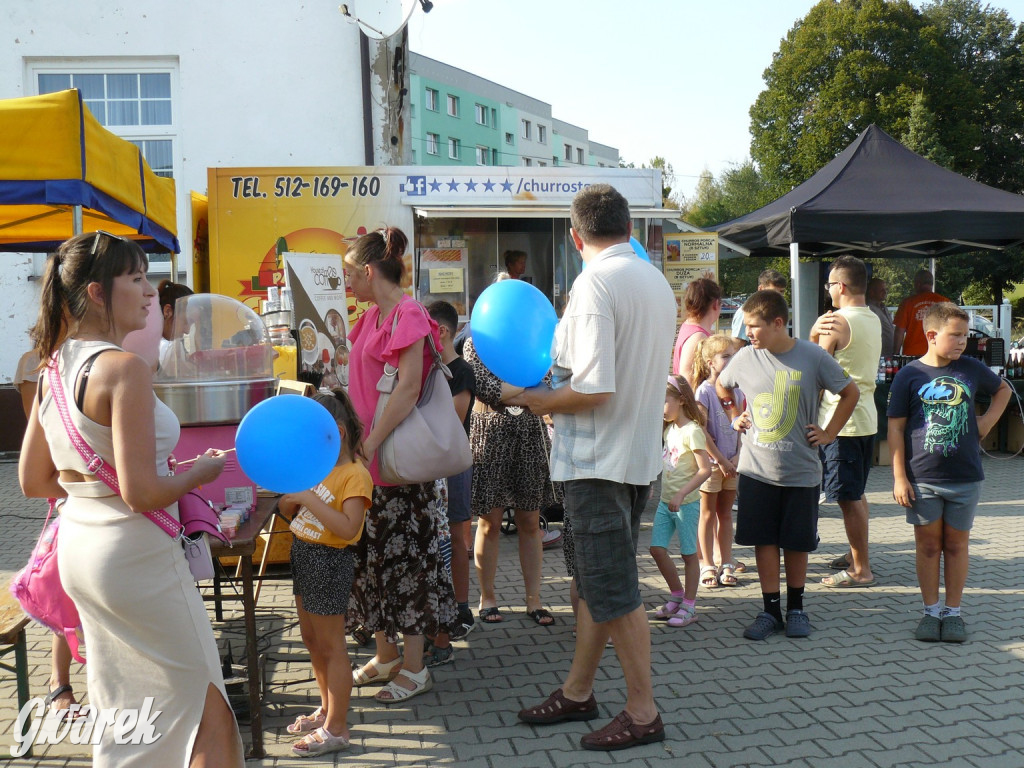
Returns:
(147, 630)
(686, 466)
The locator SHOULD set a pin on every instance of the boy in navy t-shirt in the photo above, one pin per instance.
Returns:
(934, 436)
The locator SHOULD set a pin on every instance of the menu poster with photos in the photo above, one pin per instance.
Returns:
(317, 283)
(442, 273)
(687, 257)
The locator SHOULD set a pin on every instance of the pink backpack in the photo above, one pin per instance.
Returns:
(38, 588)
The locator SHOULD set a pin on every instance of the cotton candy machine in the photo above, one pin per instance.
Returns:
(219, 364)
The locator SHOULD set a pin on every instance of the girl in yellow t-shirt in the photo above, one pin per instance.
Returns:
(327, 520)
(686, 466)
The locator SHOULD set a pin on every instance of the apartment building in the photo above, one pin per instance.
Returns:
(459, 118)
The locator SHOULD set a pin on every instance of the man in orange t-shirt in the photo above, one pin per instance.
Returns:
(910, 315)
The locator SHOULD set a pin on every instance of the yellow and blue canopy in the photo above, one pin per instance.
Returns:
(54, 155)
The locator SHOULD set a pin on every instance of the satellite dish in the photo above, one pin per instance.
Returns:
(380, 19)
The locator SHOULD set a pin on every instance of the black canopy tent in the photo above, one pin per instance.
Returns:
(879, 199)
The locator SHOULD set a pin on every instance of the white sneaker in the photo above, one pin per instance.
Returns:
(551, 538)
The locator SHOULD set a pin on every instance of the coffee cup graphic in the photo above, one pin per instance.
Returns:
(308, 342)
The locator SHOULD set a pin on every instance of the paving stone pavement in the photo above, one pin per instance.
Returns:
(859, 692)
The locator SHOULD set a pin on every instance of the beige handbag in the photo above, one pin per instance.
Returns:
(431, 442)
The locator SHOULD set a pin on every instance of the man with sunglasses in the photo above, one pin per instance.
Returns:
(852, 333)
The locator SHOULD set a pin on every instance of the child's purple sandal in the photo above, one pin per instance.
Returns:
(667, 610)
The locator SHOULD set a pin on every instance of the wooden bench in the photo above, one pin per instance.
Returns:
(12, 640)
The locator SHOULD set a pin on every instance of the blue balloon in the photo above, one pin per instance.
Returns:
(639, 249)
(513, 326)
(288, 443)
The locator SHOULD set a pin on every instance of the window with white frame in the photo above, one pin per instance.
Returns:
(481, 155)
(568, 152)
(135, 105)
(433, 140)
(510, 138)
(481, 114)
(431, 100)
(494, 156)
(542, 164)
(527, 129)
(453, 105)
(527, 161)
(542, 134)
(579, 155)
(453, 149)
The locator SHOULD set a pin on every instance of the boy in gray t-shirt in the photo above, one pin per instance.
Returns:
(779, 471)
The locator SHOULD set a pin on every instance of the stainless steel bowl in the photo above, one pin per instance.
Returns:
(214, 402)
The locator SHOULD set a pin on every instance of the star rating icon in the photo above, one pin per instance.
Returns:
(506, 186)
(471, 186)
(435, 186)
(488, 186)
(453, 186)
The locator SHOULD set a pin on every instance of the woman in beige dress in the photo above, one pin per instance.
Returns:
(147, 631)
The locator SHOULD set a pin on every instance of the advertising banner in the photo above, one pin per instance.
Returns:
(320, 307)
(688, 256)
(260, 215)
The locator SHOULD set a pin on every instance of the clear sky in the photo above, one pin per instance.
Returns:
(674, 78)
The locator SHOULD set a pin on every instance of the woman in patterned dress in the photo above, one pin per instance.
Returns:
(401, 587)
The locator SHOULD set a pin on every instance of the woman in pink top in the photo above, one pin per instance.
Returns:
(703, 305)
(400, 586)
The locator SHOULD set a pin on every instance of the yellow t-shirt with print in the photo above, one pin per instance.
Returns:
(346, 481)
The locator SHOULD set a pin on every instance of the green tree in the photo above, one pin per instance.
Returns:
(947, 80)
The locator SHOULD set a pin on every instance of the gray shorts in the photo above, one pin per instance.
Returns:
(605, 520)
(953, 503)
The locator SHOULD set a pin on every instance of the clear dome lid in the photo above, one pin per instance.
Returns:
(215, 338)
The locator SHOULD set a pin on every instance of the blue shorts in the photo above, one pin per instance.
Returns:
(953, 503)
(605, 519)
(847, 461)
(459, 490)
(684, 523)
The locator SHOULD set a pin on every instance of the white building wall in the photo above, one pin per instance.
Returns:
(261, 84)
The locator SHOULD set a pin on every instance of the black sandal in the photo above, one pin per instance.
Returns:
(539, 617)
(63, 713)
(490, 615)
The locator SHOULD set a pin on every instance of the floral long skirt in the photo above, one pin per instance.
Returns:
(401, 586)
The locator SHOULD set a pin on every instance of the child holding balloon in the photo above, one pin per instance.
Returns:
(328, 519)
(686, 466)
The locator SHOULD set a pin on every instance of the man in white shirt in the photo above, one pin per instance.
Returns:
(611, 354)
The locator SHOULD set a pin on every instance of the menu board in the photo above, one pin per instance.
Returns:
(442, 273)
(689, 256)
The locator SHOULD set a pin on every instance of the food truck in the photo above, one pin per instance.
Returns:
(463, 223)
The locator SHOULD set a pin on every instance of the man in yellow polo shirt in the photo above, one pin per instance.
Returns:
(852, 333)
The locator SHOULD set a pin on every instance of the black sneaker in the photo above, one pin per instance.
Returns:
(764, 626)
(463, 625)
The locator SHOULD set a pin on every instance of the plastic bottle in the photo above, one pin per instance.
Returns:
(880, 377)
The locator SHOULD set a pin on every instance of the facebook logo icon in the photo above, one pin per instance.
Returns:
(415, 186)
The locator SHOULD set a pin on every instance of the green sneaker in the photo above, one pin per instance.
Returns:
(952, 629)
(928, 630)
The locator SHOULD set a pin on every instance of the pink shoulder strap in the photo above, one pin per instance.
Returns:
(93, 461)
